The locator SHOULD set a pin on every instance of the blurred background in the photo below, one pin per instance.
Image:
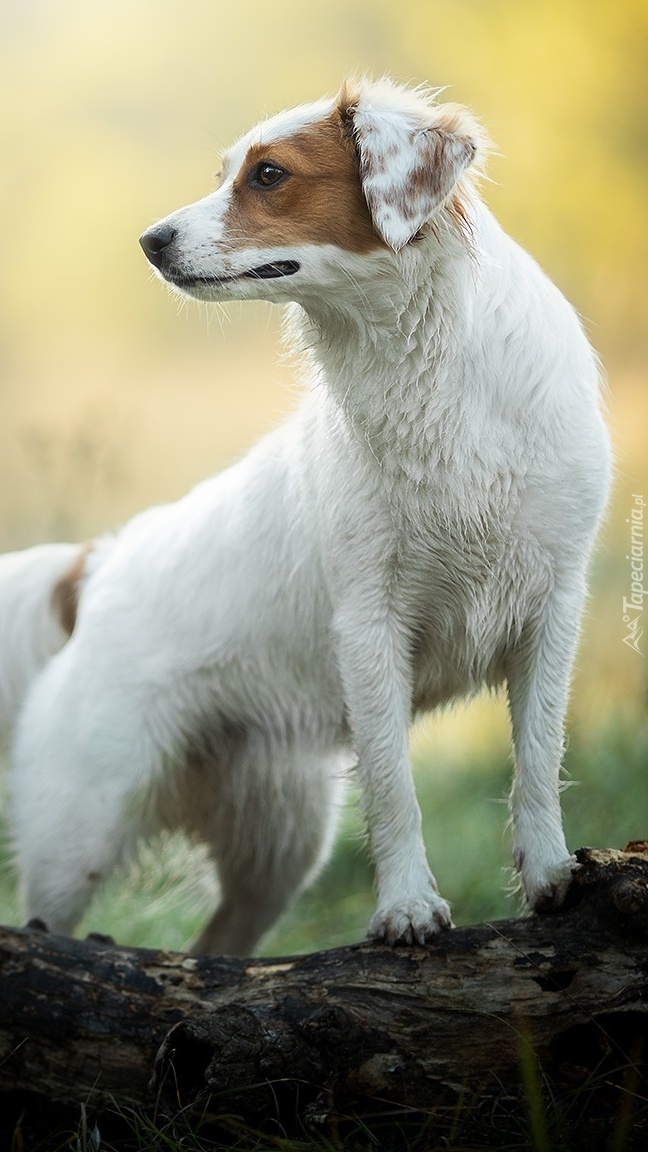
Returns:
(113, 397)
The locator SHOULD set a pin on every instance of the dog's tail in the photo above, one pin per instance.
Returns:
(39, 590)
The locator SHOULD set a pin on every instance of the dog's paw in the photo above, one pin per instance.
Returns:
(545, 890)
(411, 922)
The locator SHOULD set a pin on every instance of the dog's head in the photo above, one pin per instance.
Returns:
(315, 198)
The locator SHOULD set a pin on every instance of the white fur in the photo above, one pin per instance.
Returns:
(420, 527)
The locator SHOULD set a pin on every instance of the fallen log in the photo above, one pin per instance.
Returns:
(338, 1030)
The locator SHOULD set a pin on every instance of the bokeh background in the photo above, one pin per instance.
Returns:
(113, 397)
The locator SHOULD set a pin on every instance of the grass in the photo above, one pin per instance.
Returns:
(606, 1112)
(163, 898)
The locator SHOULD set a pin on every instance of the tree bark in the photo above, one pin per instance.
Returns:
(341, 1029)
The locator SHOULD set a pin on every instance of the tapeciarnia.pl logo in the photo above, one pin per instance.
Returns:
(633, 605)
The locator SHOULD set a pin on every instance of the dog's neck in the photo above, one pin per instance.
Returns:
(388, 355)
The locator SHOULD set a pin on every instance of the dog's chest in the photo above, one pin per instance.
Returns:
(464, 587)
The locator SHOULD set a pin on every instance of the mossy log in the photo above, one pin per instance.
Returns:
(343, 1031)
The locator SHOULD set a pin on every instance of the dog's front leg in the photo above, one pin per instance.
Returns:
(538, 680)
(376, 681)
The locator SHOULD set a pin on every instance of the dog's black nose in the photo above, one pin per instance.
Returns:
(156, 241)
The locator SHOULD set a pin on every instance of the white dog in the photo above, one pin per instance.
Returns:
(419, 528)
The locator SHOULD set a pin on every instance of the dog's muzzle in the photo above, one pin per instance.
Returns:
(157, 244)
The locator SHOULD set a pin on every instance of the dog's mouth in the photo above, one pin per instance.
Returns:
(272, 271)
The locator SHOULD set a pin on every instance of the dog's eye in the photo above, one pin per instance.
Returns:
(267, 175)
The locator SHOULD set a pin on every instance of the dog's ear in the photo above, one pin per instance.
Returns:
(411, 155)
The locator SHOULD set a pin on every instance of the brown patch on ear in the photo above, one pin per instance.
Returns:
(66, 591)
(435, 169)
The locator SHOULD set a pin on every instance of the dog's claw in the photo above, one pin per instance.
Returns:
(415, 922)
(548, 893)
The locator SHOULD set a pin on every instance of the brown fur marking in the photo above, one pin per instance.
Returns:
(66, 591)
(320, 203)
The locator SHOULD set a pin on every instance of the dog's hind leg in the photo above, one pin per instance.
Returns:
(274, 831)
(84, 770)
